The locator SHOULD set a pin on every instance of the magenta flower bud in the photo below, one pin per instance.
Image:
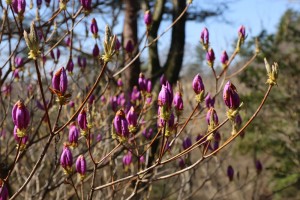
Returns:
(16, 74)
(164, 97)
(66, 160)
(121, 100)
(86, 4)
(163, 79)
(39, 3)
(52, 54)
(18, 62)
(198, 85)
(91, 99)
(60, 81)
(82, 120)
(117, 45)
(19, 6)
(204, 38)
(230, 172)
(238, 120)
(224, 58)
(96, 51)
(121, 124)
(177, 101)
(132, 117)
(149, 86)
(73, 136)
(120, 82)
(103, 99)
(181, 163)
(17, 138)
(70, 66)
(142, 82)
(242, 32)
(170, 90)
(3, 192)
(135, 94)
(127, 159)
(212, 117)
(57, 54)
(148, 18)
(20, 116)
(147, 134)
(94, 28)
(210, 102)
(47, 2)
(258, 166)
(129, 47)
(230, 96)
(142, 159)
(171, 121)
(81, 166)
(71, 104)
(187, 142)
(114, 103)
(68, 41)
(210, 57)
(217, 136)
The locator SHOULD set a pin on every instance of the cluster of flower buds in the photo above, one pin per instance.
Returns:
(94, 28)
(81, 166)
(199, 88)
(272, 72)
(66, 160)
(121, 126)
(18, 7)
(87, 6)
(21, 118)
(60, 86)
(57, 55)
(32, 41)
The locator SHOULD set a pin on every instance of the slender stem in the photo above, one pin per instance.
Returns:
(15, 160)
(241, 69)
(73, 185)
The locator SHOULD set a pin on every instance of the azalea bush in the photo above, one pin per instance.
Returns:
(71, 128)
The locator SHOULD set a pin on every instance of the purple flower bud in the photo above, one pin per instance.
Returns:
(6, 89)
(199, 137)
(91, 99)
(16, 74)
(132, 117)
(242, 32)
(178, 102)
(147, 134)
(149, 86)
(73, 135)
(3, 192)
(114, 103)
(70, 65)
(215, 145)
(121, 124)
(17, 138)
(81, 166)
(224, 58)
(60, 81)
(142, 159)
(204, 37)
(230, 172)
(71, 104)
(142, 82)
(129, 47)
(120, 82)
(198, 85)
(217, 136)
(66, 159)
(164, 98)
(163, 79)
(121, 100)
(258, 166)
(210, 57)
(212, 117)
(210, 102)
(47, 2)
(68, 42)
(96, 51)
(187, 142)
(117, 45)
(127, 159)
(230, 96)
(20, 115)
(94, 28)
(99, 137)
(86, 4)
(170, 90)
(135, 94)
(238, 120)
(82, 120)
(39, 3)
(148, 18)
(181, 163)
(103, 99)
(19, 6)
(52, 54)
(18, 62)
(57, 54)
(171, 121)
